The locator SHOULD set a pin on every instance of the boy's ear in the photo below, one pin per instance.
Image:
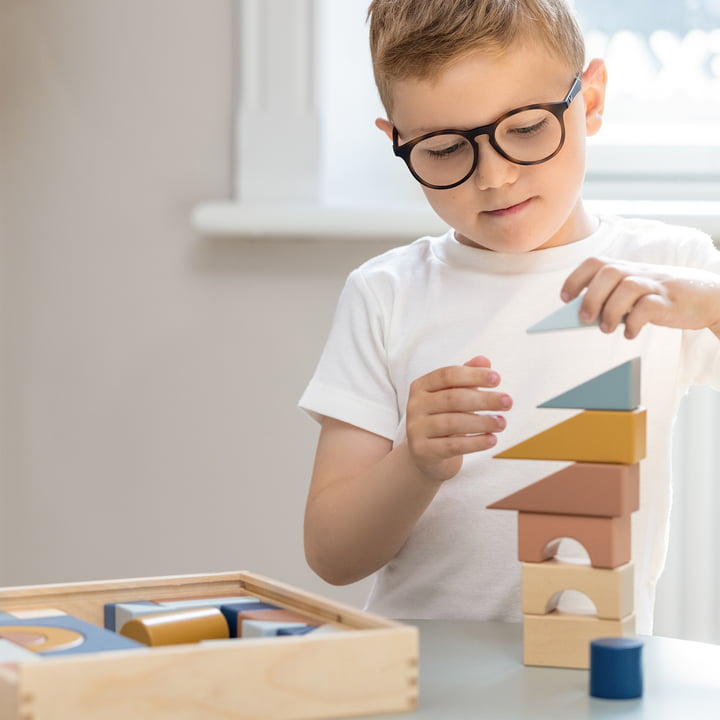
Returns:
(594, 82)
(385, 125)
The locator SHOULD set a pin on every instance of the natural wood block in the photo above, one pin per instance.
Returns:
(596, 489)
(595, 436)
(563, 640)
(606, 540)
(611, 590)
(369, 666)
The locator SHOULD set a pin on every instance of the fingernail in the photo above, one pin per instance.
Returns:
(491, 440)
(604, 327)
(585, 316)
(506, 401)
(493, 378)
(565, 296)
(500, 420)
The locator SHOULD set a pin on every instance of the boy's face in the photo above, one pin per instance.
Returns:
(504, 206)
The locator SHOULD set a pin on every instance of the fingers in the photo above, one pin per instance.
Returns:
(614, 294)
(458, 376)
(459, 445)
(468, 400)
(454, 411)
(649, 308)
(454, 424)
(478, 361)
(580, 278)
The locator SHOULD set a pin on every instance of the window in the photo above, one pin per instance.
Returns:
(660, 134)
(307, 105)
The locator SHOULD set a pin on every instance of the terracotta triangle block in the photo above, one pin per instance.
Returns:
(594, 436)
(592, 489)
(616, 389)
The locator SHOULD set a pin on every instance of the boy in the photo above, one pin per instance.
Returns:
(489, 106)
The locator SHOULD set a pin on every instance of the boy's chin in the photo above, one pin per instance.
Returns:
(513, 247)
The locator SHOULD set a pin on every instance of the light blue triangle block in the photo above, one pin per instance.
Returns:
(566, 318)
(616, 389)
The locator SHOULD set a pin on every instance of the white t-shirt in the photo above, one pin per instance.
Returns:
(437, 302)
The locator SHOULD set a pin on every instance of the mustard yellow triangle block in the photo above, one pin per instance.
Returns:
(599, 436)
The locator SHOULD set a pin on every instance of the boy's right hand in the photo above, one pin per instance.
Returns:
(449, 415)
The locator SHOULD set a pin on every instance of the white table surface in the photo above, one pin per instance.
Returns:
(475, 670)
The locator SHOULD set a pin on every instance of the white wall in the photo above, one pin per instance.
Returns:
(149, 375)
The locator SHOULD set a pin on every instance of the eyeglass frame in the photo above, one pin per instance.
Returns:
(556, 108)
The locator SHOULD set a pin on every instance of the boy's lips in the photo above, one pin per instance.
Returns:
(509, 210)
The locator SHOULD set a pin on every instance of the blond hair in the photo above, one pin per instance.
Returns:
(419, 38)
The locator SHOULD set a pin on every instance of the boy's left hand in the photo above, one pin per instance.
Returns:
(638, 293)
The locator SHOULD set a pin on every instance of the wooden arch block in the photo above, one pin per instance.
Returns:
(607, 540)
(595, 436)
(610, 589)
(596, 489)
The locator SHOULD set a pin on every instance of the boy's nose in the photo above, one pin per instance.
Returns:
(493, 170)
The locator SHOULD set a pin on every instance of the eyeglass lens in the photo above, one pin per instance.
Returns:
(529, 136)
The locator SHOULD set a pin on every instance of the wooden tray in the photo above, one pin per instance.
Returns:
(368, 666)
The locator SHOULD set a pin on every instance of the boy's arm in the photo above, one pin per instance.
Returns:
(637, 294)
(366, 496)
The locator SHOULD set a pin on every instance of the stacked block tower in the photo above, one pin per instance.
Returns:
(590, 501)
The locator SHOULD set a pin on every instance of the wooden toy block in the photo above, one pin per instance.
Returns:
(292, 630)
(287, 616)
(236, 613)
(611, 590)
(606, 540)
(616, 389)
(117, 614)
(61, 635)
(594, 489)
(35, 613)
(363, 664)
(11, 652)
(563, 640)
(565, 318)
(595, 436)
(178, 627)
(268, 628)
(616, 668)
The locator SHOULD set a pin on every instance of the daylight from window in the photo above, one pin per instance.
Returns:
(663, 62)
(660, 134)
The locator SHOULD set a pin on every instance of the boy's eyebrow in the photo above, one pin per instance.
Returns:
(417, 132)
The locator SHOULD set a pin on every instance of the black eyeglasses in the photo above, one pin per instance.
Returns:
(528, 135)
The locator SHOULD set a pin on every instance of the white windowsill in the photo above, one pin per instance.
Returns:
(287, 221)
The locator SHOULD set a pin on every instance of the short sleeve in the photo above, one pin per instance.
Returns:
(351, 382)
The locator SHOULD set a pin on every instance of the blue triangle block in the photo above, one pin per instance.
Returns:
(566, 318)
(616, 389)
